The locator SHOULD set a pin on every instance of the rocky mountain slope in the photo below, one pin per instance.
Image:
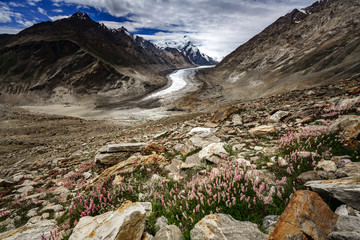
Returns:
(76, 57)
(241, 167)
(189, 50)
(304, 48)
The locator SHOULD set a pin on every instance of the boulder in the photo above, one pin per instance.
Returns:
(306, 216)
(126, 223)
(336, 159)
(348, 103)
(170, 232)
(214, 149)
(307, 176)
(347, 125)
(123, 147)
(279, 116)
(346, 190)
(327, 166)
(349, 169)
(221, 226)
(346, 228)
(31, 230)
(184, 149)
(263, 130)
(127, 166)
(221, 114)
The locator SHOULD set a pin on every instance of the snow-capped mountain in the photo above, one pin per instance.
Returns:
(189, 50)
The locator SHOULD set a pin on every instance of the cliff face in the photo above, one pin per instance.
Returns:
(304, 48)
(78, 56)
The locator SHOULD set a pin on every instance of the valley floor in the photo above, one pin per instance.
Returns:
(52, 166)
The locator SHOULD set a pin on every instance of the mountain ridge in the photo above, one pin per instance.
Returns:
(85, 58)
(299, 50)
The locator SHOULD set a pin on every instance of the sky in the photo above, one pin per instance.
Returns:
(216, 27)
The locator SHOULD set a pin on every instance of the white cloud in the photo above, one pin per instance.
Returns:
(57, 10)
(5, 14)
(9, 30)
(26, 23)
(41, 10)
(54, 18)
(33, 2)
(217, 26)
(15, 4)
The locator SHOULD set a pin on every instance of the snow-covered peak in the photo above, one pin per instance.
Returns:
(188, 49)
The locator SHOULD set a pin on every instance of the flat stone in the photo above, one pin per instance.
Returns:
(236, 120)
(224, 227)
(279, 116)
(192, 161)
(306, 216)
(307, 176)
(221, 114)
(200, 141)
(346, 190)
(126, 223)
(55, 208)
(123, 147)
(263, 130)
(201, 131)
(109, 158)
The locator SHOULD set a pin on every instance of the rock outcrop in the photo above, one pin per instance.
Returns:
(306, 216)
(126, 223)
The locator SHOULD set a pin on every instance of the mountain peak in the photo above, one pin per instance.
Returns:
(80, 15)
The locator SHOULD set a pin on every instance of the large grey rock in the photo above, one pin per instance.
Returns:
(221, 226)
(123, 147)
(279, 116)
(346, 228)
(348, 103)
(201, 131)
(307, 176)
(346, 190)
(170, 232)
(351, 169)
(31, 230)
(126, 223)
(191, 162)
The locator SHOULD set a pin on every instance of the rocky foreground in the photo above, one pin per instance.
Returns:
(282, 167)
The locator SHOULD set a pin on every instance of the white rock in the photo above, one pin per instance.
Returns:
(224, 227)
(31, 231)
(55, 208)
(263, 130)
(170, 232)
(327, 166)
(216, 149)
(201, 130)
(126, 223)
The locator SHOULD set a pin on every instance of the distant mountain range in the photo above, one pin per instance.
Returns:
(304, 48)
(188, 49)
(76, 57)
